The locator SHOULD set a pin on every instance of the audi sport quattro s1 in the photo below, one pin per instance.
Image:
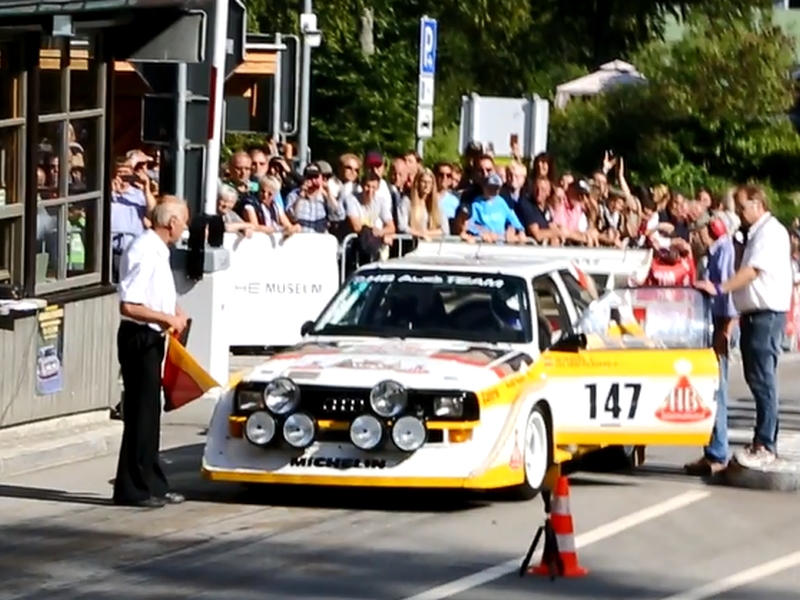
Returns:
(468, 369)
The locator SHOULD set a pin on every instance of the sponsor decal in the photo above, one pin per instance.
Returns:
(516, 454)
(329, 462)
(379, 365)
(683, 404)
(578, 360)
(431, 279)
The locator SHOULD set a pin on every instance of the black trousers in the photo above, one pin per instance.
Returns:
(139, 475)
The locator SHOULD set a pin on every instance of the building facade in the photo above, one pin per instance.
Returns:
(57, 89)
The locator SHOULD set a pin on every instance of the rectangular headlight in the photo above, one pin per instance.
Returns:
(448, 406)
(249, 400)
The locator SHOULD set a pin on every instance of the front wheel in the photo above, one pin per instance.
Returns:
(537, 454)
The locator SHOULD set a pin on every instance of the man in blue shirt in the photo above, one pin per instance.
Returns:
(491, 219)
(720, 268)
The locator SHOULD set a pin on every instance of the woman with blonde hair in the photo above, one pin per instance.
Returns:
(419, 213)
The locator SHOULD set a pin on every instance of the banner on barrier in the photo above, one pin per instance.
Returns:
(277, 285)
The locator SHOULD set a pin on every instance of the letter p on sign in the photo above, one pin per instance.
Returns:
(427, 46)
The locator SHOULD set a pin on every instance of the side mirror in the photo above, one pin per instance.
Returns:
(306, 328)
(573, 342)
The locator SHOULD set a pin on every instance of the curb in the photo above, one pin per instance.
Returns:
(56, 442)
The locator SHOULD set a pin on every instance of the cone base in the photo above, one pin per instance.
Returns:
(569, 571)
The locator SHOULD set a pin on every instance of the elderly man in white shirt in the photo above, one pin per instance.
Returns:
(761, 290)
(148, 309)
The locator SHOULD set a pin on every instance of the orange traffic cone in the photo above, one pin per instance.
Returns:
(561, 519)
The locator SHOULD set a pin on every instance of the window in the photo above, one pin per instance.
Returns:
(552, 315)
(70, 164)
(12, 127)
(10, 246)
(452, 306)
(581, 296)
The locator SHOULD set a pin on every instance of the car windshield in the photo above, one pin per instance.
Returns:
(658, 317)
(476, 307)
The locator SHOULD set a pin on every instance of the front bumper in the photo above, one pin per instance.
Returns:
(482, 462)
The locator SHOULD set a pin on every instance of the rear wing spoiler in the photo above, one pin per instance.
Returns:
(608, 262)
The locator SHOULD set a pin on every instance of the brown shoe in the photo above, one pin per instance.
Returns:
(704, 467)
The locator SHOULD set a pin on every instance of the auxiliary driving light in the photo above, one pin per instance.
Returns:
(409, 433)
(259, 429)
(448, 406)
(366, 432)
(388, 399)
(281, 396)
(298, 430)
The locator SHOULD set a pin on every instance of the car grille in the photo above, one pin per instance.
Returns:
(344, 404)
(347, 403)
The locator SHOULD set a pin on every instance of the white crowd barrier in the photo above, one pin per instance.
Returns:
(277, 284)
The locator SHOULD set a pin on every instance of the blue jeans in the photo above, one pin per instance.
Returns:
(761, 338)
(717, 449)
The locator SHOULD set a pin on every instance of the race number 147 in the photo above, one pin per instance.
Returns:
(618, 399)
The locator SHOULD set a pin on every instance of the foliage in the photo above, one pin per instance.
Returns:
(712, 111)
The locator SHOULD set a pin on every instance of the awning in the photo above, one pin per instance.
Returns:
(20, 8)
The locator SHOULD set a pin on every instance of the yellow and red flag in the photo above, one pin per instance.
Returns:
(183, 380)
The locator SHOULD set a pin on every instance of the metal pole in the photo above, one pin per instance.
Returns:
(277, 89)
(219, 48)
(305, 94)
(420, 147)
(180, 131)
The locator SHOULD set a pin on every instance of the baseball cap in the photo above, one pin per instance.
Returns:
(373, 159)
(324, 167)
(493, 180)
(311, 171)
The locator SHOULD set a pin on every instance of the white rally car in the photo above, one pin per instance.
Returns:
(468, 367)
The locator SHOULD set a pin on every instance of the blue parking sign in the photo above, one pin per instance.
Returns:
(428, 29)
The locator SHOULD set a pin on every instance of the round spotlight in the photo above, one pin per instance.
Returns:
(388, 399)
(298, 430)
(281, 396)
(409, 433)
(366, 432)
(259, 429)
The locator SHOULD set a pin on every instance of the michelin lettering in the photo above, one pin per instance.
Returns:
(338, 463)
(300, 289)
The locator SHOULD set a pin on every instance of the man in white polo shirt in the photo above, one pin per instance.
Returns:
(148, 309)
(761, 290)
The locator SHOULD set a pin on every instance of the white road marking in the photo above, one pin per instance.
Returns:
(762, 571)
(598, 534)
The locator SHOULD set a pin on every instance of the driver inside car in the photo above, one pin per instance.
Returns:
(505, 310)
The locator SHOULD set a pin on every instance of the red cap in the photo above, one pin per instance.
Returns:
(717, 228)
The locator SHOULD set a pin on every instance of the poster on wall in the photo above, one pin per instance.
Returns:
(50, 351)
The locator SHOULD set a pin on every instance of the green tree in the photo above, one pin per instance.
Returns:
(713, 108)
(497, 47)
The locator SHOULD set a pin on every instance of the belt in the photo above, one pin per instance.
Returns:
(131, 323)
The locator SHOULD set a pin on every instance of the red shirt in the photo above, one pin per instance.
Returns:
(682, 273)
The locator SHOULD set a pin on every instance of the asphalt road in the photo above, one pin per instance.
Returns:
(654, 535)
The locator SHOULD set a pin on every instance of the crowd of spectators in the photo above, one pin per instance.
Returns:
(378, 197)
